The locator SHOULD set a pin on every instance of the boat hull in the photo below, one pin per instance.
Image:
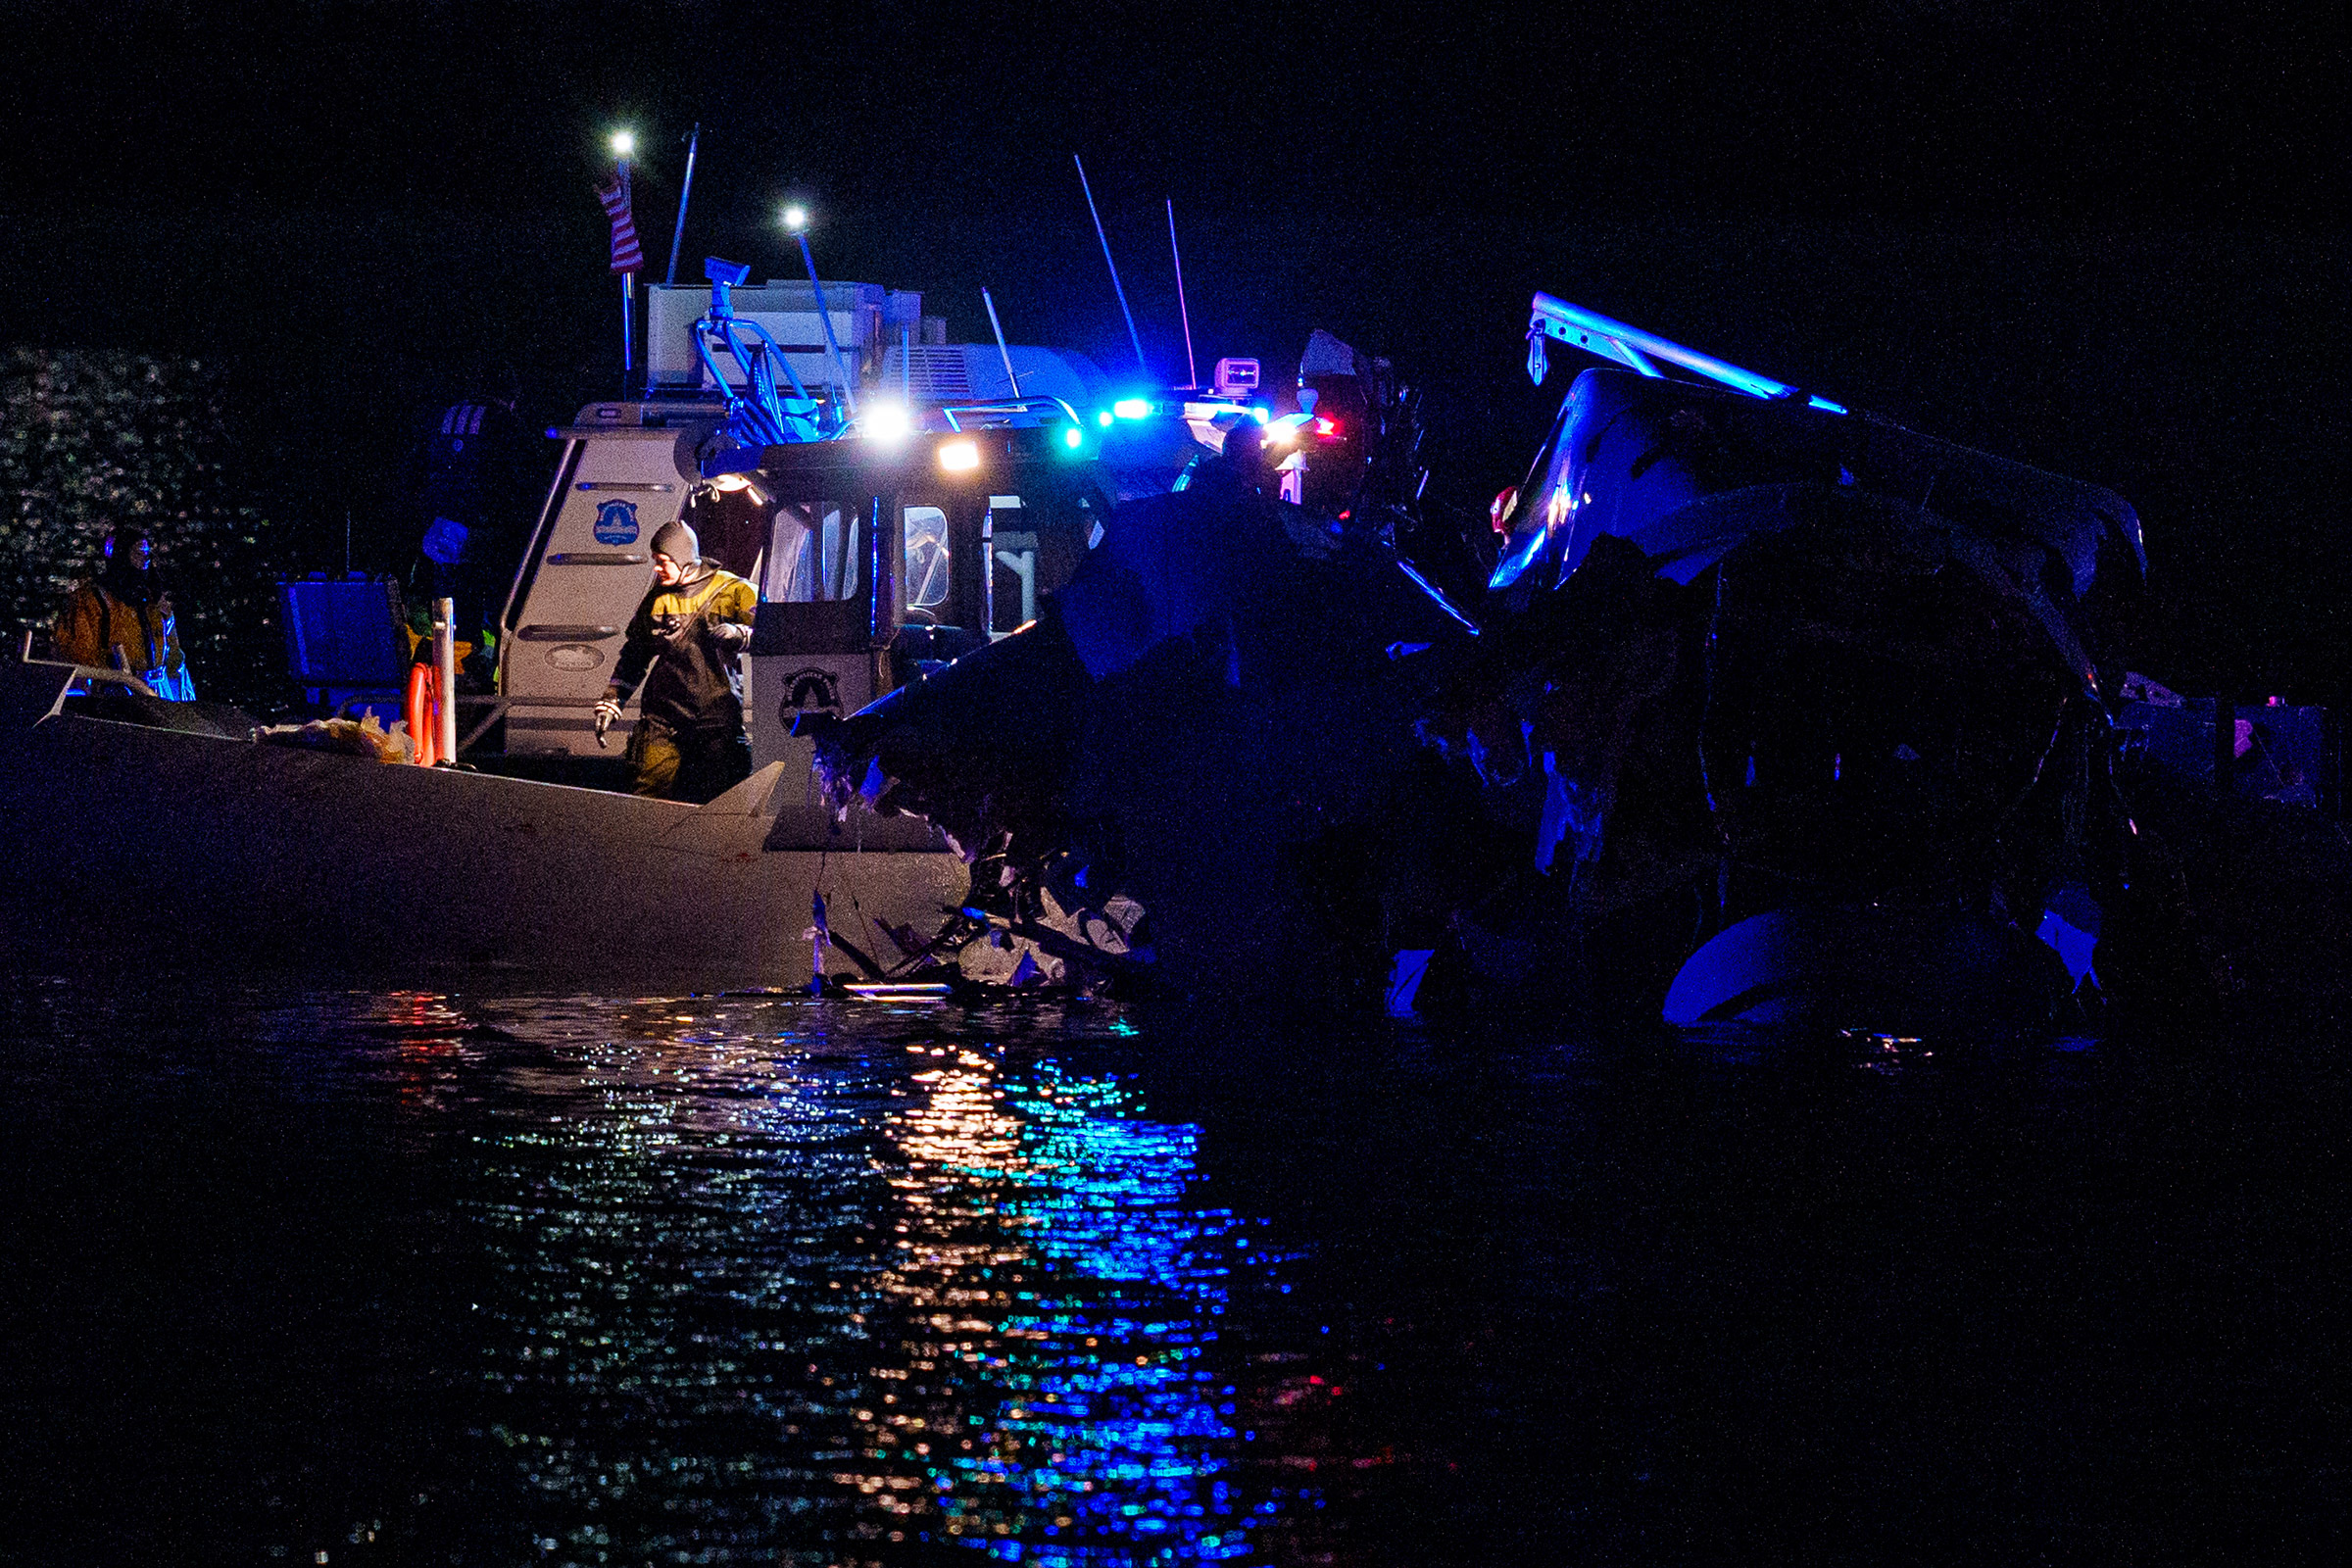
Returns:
(124, 843)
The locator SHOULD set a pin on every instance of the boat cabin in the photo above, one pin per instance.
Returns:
(876, 559)
(898, 499)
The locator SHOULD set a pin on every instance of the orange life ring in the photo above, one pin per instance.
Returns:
(425, 714)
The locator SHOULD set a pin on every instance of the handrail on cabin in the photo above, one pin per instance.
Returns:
(1010, 406)
(758, 415)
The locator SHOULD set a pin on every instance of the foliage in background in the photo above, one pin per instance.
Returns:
(92, 439)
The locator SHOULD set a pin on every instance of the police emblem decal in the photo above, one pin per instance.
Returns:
(809, 691)
(617, 522)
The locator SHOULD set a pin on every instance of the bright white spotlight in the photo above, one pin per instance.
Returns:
(958, 457)
(888, 423)
(795, 218)
(624, 144)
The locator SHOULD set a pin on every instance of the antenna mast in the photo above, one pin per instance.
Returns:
(685, 194)
(997, 327)
(1191, 371)
(1117, 288)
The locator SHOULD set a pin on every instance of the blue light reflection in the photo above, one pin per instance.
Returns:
(754, 1292)
(1092, 1434)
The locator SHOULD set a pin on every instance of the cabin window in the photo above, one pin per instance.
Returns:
(1013, 554)
(813, 554)
(928, 560)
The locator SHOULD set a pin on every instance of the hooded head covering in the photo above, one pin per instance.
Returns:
(127, 574)
(677, 541)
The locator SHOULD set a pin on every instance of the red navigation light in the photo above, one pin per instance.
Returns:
(1329, 427)
(1502, 508)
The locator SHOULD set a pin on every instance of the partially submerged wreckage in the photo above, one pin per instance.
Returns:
(1759, 709)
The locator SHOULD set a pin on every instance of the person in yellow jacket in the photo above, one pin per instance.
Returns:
(686, 645)
(123, 620)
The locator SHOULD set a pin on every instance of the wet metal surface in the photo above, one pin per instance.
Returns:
(439, 1279)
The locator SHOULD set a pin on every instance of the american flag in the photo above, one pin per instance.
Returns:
(626, 256)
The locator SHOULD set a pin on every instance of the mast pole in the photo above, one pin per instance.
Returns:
(1191, 371)
(833, 349)
(1002, 352)
(628, 291)
(685, 194)
(1116, 287)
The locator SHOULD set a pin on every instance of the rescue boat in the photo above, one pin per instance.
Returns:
(898, 499)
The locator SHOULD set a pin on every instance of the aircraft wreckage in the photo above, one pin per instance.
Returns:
(1749, 708)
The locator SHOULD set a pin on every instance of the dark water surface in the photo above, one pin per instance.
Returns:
(412, 1278)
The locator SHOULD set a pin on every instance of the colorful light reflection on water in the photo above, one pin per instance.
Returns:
(349, 1278)
(1059, 1294)
(763, 1292)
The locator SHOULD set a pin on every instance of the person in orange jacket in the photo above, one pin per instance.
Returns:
(123, 620)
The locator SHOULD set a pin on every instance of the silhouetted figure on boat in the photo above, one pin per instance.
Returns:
(473, 480)
(123, 620)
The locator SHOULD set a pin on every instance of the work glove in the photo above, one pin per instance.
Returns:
(608, 715)
(731, 636)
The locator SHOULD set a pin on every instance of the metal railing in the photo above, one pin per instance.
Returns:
(1006, 409)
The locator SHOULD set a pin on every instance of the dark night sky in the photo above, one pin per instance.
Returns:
(2108, 239)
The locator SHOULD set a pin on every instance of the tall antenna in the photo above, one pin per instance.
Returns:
(1191, 371)
(1117, 288)
(685, 194)
(796, 219)
(997, 328)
